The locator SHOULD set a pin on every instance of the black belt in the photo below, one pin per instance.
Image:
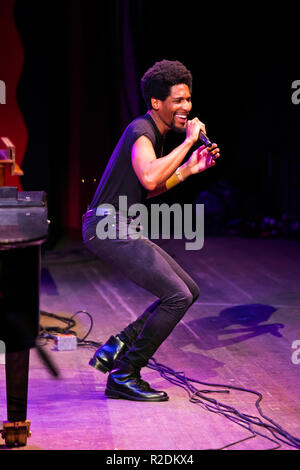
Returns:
(103, 211)
(99, 212)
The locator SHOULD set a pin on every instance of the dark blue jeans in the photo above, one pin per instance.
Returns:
(150, 267)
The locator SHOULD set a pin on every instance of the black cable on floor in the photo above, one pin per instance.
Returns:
(49, 332)
(245, 420)
(200, 397)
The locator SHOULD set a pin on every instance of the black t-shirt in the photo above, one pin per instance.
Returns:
(119, 178)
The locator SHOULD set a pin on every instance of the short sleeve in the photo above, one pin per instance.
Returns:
(139, 128)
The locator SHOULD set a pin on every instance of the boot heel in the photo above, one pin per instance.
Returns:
(98, 365)
(105, 356)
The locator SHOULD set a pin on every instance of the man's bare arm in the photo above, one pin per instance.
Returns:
(200, 160)
(152, 171)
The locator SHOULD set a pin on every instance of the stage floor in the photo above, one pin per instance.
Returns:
(239, 332)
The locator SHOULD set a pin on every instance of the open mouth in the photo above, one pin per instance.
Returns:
(181, 118)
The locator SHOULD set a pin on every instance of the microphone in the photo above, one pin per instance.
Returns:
(203, 137)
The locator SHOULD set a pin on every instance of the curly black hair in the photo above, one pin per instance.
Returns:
(158, 80)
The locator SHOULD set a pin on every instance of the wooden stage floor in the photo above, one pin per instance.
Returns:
(240, 332)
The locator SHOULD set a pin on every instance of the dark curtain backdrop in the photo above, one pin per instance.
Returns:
(80, 88)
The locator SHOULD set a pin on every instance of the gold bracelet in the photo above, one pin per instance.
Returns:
(174, 179)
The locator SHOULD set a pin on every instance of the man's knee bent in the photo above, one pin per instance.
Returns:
(180, 301)
(195, 292)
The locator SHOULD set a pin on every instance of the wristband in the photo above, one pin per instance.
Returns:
(174, 179)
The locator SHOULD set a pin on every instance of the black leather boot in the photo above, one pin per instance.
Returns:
(125, 382)
(105, 356)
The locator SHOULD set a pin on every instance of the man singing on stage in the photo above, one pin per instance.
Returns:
(138, 169)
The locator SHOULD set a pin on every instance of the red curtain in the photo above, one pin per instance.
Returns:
(11, 61)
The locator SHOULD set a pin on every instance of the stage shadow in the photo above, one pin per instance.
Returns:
(250, 317)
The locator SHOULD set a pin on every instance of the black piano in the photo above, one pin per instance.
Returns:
(23, 229)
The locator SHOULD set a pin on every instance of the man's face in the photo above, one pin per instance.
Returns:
(174, 110)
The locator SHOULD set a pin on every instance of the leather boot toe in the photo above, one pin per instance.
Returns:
(127, 383)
